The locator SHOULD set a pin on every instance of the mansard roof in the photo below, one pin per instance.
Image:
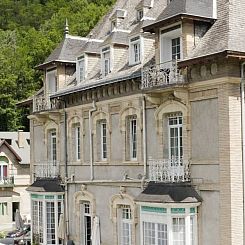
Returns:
(227, 33)
(117, 37)
(66, 51)
(177, 8)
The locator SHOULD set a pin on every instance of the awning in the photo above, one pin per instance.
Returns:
(169, 193)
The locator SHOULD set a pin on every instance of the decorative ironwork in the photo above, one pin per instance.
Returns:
(161, 75)
(7, 181)
(169, 170)
(46, 169)
(44, 103)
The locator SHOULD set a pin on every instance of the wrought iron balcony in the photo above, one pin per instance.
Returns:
(169, 170)
(49, 169)
(163, 74)
(44, 103)
(7, 181)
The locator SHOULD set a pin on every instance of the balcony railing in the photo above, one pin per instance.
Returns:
(169, 170)
(7, 181)
(48, 169)
(163, 74)
(44, 103)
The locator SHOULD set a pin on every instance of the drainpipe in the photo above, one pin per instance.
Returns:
(66, 212)
(243, 143)
(144, 138)
(91, 140)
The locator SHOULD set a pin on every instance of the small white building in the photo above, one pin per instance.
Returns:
(14, 177)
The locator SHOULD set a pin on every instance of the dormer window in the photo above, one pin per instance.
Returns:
(140, 14)
(51, 80)
(106, 61)
(81, 68)
(170, 45)
(135, 51)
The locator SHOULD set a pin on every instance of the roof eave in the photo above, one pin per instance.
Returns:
(54, 62)
(174, 18)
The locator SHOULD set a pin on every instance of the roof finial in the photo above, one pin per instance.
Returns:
(66, 31)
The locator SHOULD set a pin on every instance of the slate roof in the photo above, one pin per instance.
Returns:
(91, 47)
(22, 153)
(67, 50)
(227, 33)
(46, 185)
(169, 193)
(116, 37)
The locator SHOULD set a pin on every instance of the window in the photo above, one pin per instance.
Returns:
(135, 50)
(3, 208)
(125, 226)
(78, 142)
(170, 45)
(46, 210)
(131, 138)
(168, 226)
(175, 136)
(51, 78)
(53, 147)
(178, 231)
(106, 61)
(3, 170)
(103, 141)
(140, 14)
(175, 48)
(87, 223)
(155, 233)
(81, 65)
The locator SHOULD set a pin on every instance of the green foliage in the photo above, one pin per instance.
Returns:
(29, 31)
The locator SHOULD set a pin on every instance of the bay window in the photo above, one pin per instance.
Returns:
(168, 226)
(46, 211)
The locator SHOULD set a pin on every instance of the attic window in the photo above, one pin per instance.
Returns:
(140, 14)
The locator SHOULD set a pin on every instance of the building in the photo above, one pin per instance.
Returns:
(14, 177)
(139, 126)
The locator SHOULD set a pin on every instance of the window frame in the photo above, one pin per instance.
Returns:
(77, 131)
(53, 146)
(132, 138)
(86, 216)
(81, 76)
(51, 73)
(158, 217)
(135, 42)
(103, 140)
(106, 61)
(172, 128)
(3, 208)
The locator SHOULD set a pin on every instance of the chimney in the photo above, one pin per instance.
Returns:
(215, 9)
(20, 138)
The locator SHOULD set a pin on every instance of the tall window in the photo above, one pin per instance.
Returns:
(53, 147)
(87, 223)
(125, 226)
(133, 137)
(78, 142)
(50, 213)
(135, 56)
(178, 231)
(81, 70)
(3, 170)
(175, 136)
(103, 140)
(3, 208)
(175, 48)
(155, 234)
(51, 78)
(106, 61)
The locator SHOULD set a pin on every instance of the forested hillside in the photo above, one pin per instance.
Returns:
(29, 31)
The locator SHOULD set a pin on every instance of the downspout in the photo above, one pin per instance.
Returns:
(243, 143)
(91, 140)
(66, 213)
(144, 138)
